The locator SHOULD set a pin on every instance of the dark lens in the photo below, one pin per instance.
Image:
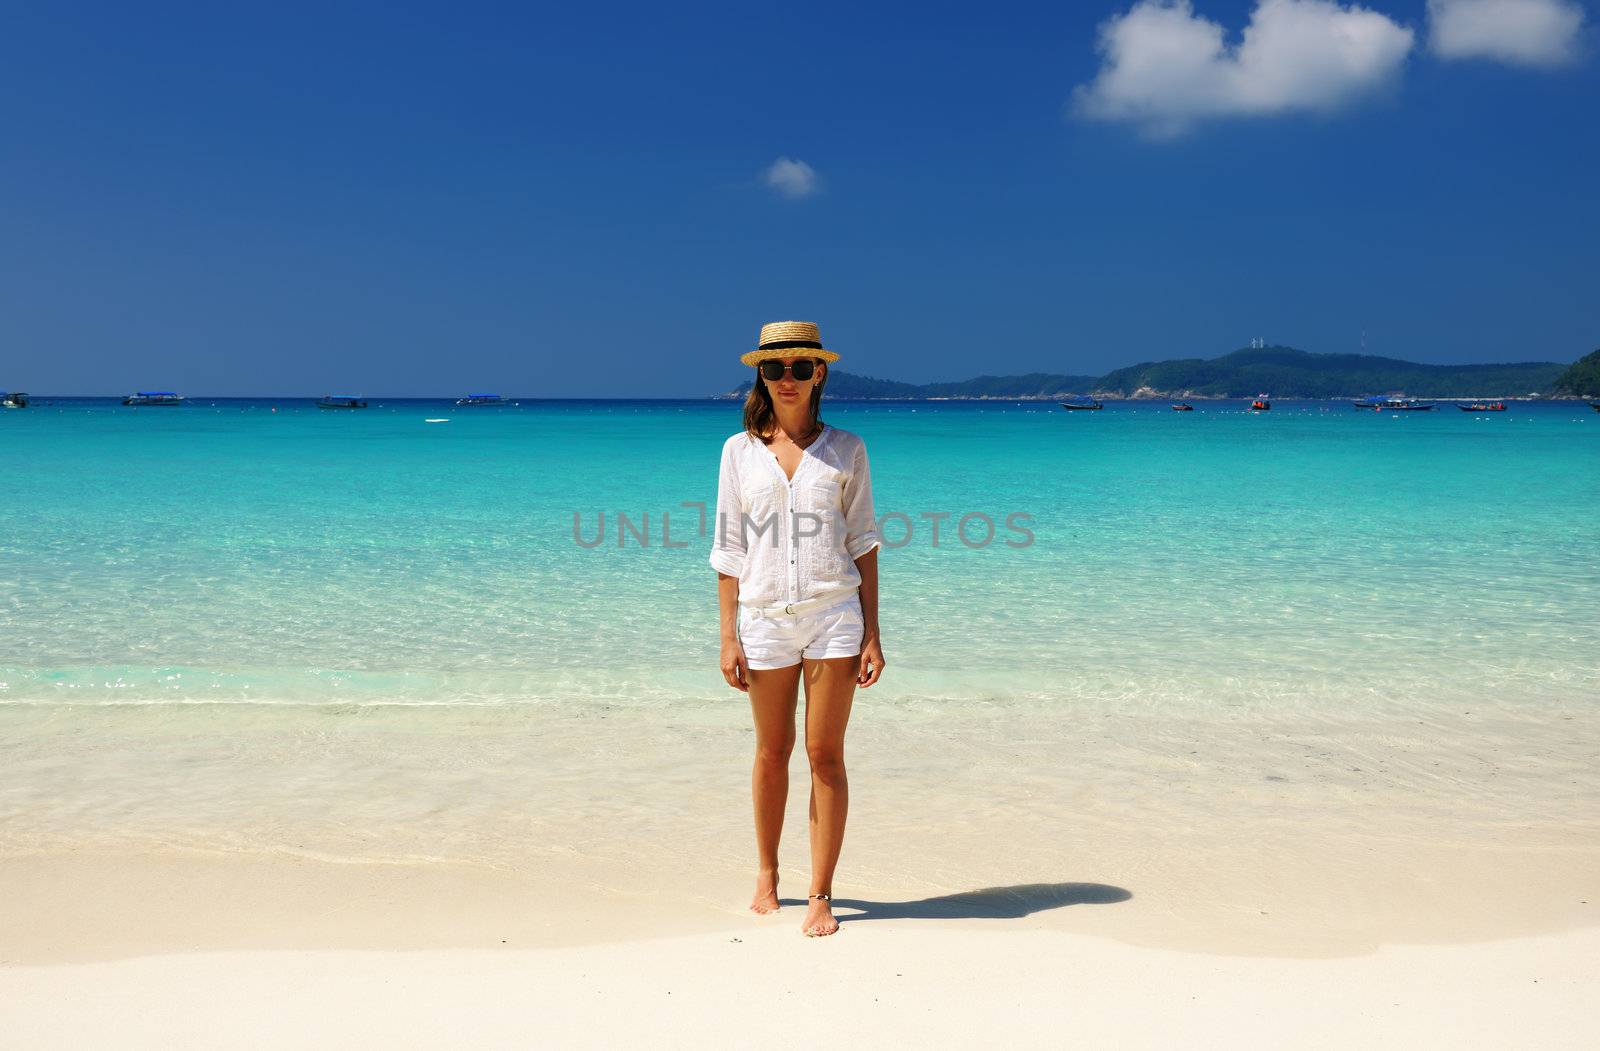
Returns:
(772, 371)
(804, 370)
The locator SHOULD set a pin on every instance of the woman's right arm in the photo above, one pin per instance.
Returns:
(732, 656)
(727, 558)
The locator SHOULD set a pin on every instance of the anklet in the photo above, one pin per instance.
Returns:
(821, 897)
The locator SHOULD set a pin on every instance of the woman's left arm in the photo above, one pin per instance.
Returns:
(871, 648)
(861, 543)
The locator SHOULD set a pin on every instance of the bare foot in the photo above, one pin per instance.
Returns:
(819, 921)
(766, 899)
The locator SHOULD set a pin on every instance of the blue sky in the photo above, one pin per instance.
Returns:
(575, 201)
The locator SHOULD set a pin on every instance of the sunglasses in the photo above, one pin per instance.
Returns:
(772, 371)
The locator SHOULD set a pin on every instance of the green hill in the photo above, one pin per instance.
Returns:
(1282, 372)
(1288, 373)
(1582, 377)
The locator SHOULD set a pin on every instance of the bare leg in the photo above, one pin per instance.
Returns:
(830, 689)
(773, 699)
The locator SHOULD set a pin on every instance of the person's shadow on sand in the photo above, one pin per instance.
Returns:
(991, 903)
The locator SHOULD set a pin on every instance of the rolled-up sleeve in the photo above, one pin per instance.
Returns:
(860, 520)
(727, 538)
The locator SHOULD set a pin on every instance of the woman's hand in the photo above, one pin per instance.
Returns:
(733, 665)
(871, 662)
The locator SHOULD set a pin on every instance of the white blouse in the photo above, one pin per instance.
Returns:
(788, 540)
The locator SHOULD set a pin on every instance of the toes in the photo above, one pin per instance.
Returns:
(821, 929)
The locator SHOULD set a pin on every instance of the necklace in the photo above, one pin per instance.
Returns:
(816, 428)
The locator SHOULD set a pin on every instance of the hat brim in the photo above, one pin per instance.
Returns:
(756, 357)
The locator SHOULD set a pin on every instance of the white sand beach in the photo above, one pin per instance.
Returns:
(936, 983)
(255, 878)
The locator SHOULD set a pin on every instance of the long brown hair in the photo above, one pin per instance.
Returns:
(761, 419)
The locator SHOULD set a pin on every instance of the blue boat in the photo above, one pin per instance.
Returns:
(153, 397)
(1081, 402)
(342, 401)
(481, 399)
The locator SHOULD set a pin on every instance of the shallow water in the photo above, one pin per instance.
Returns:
(1311, 556)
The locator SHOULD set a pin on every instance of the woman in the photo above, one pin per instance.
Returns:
(797, 581)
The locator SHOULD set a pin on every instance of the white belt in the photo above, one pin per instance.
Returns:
(795, 609)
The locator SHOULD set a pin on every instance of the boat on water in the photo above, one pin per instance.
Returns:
(1595, 405)
(1081, 402)
(1183, 406)
(153, 397)
(1392, 404)
(1482, 406)
(481, 399)
(13, 400)
(1261, 404)
(342, 401)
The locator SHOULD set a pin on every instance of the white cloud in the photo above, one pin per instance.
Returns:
(1521, 32)
(792, 178)
(1165, 68)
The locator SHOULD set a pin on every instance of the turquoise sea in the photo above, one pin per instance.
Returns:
(1268, 673)
(264, 551)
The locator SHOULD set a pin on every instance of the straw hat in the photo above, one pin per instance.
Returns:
(789, 339)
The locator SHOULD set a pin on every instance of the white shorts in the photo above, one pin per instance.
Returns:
(780, 641)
